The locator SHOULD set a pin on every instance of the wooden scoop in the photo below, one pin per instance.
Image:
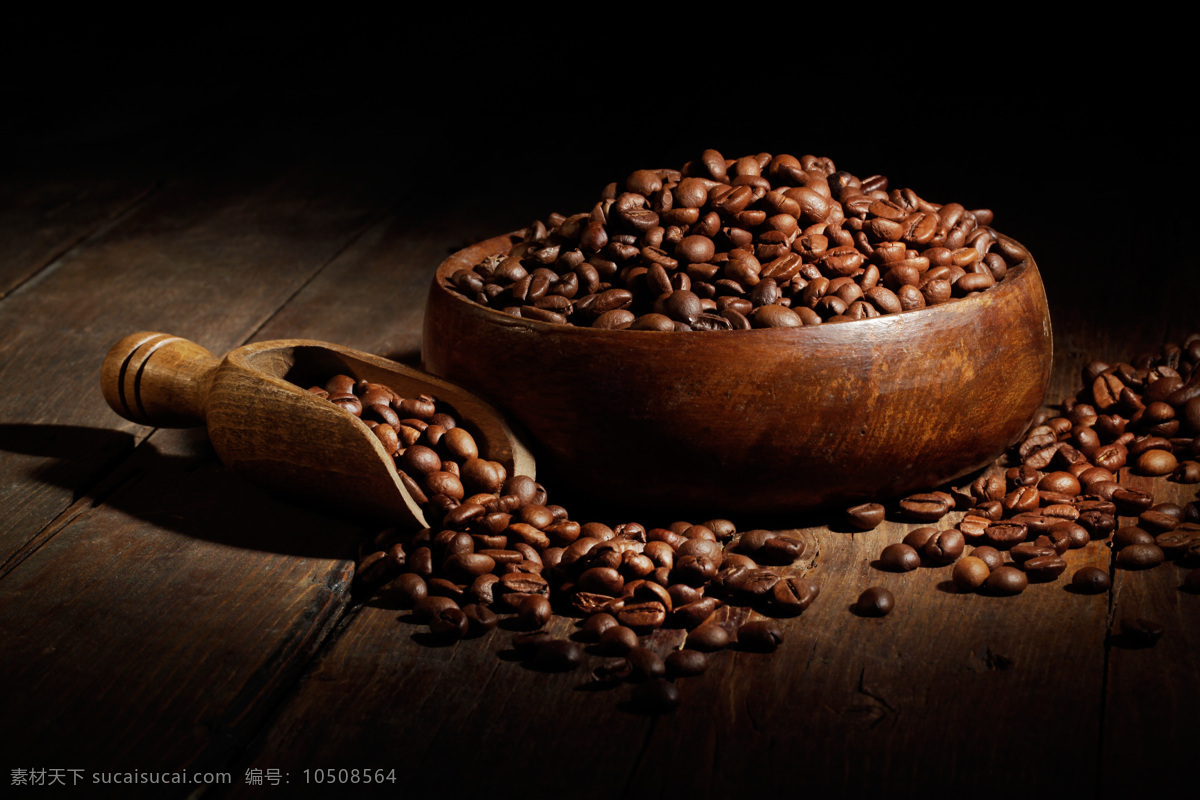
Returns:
(270, 430)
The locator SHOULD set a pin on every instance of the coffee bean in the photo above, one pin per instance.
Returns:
(866, 516)
(686, 663)
(927, 507)
(1139, 556)
(1007, 581)
(645, 664)
(970, 573)
(1045, 568)
(1091, 580)
(791, 596)
(899, 557)
(944, 547)
(990, 556)
(875, 602)
(534, 611)
(480, 619)
(917, 538)
(557, 655)
(708, 638)
(761, 636)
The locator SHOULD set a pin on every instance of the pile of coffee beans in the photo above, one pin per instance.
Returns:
(498, 547)
(1143, 417)
(761, 241)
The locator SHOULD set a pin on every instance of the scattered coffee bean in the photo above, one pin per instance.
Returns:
(708, 638)
(970, 573)
(1007, 581)
(875, 602)
(686, 663)
(1139, 556)
(866, 516)
(899, 557)
(761, 636)
(1091, 580)
(558, 655)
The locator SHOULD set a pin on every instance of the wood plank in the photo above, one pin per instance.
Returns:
(155, 630)
(1153, 693)
(211, 259)
(43, 216)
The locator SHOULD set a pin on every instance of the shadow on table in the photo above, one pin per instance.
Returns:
(173, 480)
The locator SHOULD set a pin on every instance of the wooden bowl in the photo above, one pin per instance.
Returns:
(770, 420)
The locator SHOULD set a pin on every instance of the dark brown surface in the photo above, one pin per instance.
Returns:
(159, 614)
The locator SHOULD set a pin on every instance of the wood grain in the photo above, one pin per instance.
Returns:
(211, 258)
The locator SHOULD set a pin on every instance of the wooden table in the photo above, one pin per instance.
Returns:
(158, 615)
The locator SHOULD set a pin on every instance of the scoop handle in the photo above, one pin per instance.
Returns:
(158, 379)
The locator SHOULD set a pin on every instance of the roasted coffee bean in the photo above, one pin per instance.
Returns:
(617, 641)
(899, 557)
(1091, 580)
(645, 664)
(1180, 541)
(480, 619)
(1130, 535)
(557, 655)
(761, 636)
(427, 608)
(866, 516)
(1155, 521)
(917, 538)
(1005, 535)
(973, 526)
(694, 614)
(990, 556)
(686, 663)
(1045, 568)
(1156, 462)
(526, 644)
(1131, 501)
(1139, 556)
(875, 602)
(595, 625)
(1029, 550)
(708, 638)
(410, 588)
(1006, 581)
(970, 572)
(927, 507)
(944, 547)
(449, 623)
(534, 611)
(791, 596)
(1098, 524)
(643, 616)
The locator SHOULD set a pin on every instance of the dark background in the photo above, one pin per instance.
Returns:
(1082, 145)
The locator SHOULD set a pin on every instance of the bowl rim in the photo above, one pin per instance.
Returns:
(1013, 282)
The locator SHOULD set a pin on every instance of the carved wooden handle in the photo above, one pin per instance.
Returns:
(158, 379)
